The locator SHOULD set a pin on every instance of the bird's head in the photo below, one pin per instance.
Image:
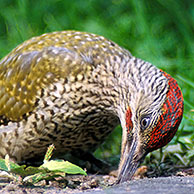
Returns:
(150, 124)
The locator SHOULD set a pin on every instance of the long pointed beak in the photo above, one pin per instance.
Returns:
(130, 160)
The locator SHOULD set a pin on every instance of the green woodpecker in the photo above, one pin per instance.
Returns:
(71, 89)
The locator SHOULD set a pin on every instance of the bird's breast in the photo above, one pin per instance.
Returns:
(67, 115)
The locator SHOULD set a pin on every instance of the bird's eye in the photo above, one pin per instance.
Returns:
(145, 122)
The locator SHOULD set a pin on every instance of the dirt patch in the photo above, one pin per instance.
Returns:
(77, 184)
(72, 184)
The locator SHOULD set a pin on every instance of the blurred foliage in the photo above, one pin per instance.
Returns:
(160, 32)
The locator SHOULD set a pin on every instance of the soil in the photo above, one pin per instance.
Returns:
(180, 182)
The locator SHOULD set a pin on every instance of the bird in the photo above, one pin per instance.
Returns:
(72, 88)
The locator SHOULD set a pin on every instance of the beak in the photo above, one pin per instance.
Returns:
(130, 160)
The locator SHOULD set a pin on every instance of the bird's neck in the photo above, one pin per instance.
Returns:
(127, 83)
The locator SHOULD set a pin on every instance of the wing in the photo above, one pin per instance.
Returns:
(37, 62)
(24, 75)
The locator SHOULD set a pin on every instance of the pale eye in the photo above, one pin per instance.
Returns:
(145, 122)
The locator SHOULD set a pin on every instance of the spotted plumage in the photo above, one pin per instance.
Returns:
(73, 88)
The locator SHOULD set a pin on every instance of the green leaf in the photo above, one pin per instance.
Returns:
(28, 171)
(49, 153)
(63, 166)
(3, 165)
(19, 170)
(40, 176)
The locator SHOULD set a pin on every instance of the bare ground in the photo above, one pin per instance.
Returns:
(180, 182)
